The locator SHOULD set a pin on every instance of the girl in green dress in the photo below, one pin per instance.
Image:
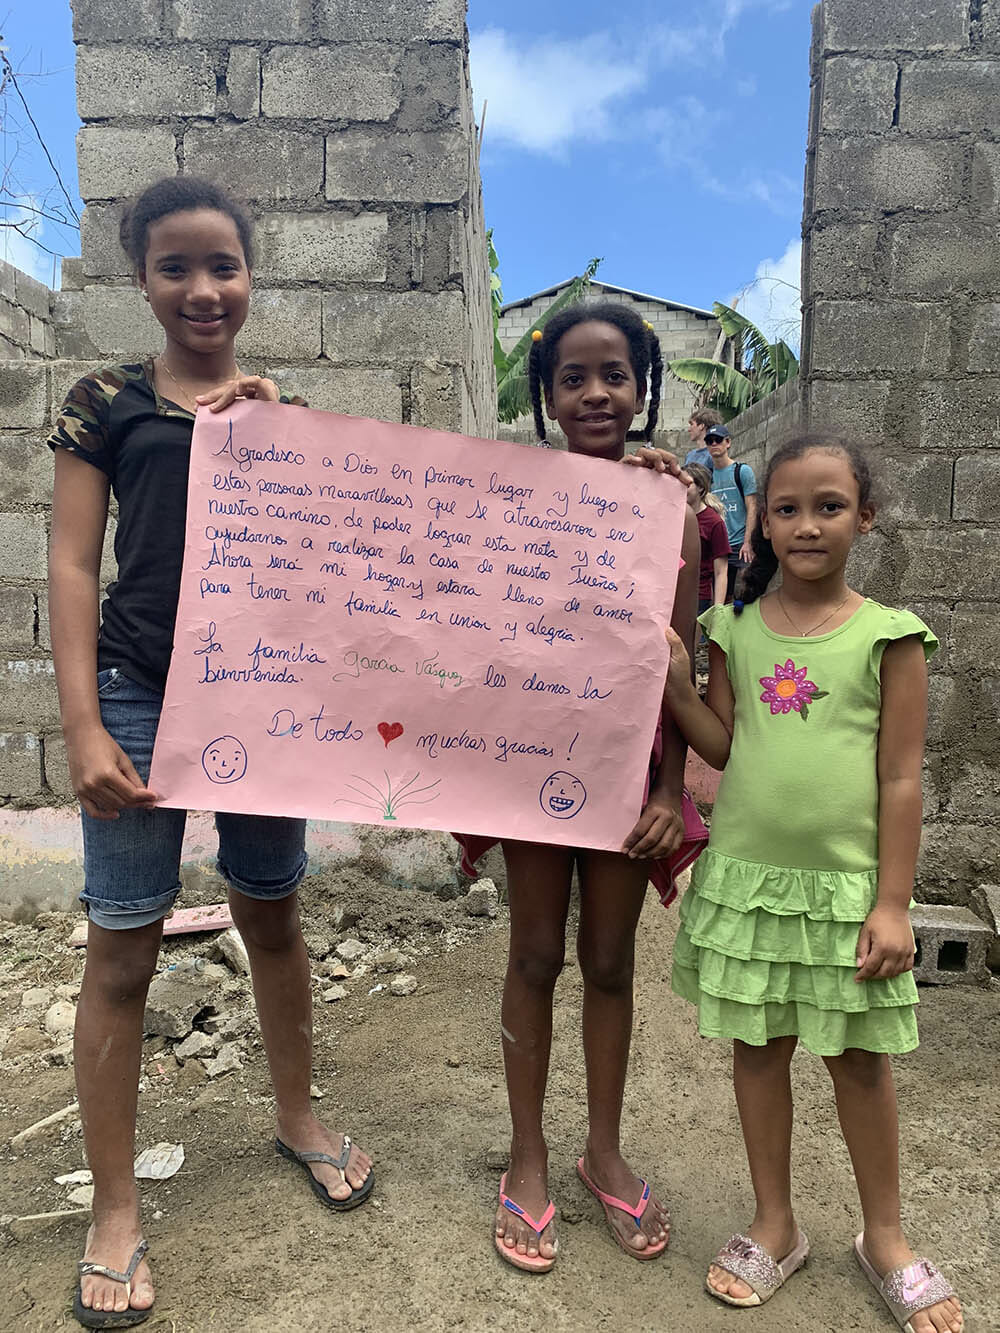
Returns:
(796, 925)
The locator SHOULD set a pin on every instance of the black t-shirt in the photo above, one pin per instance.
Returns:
(115, 420)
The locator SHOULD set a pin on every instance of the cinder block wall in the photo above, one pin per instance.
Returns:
(901, 343)
(26, 324)
(347, 125)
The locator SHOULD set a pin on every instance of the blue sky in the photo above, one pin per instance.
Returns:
(665, 137)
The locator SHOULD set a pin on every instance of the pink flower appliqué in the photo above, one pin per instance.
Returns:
(788, 690)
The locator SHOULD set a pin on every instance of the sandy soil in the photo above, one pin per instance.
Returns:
(238, 1241)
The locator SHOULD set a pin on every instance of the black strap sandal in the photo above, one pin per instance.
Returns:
(126, 1318)
(356, 1196)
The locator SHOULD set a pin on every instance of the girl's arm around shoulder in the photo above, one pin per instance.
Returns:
(706, 726)
(885, 945)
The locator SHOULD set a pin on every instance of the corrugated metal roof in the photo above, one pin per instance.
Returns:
(608, 287)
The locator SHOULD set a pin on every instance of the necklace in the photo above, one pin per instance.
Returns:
(804, 633)
(163, 364)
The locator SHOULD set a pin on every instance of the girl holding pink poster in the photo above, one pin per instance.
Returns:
(592, 365)
(128, 428)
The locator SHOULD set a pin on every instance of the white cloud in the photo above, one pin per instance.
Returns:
(543, 93)
(17, 249)
(773, 299)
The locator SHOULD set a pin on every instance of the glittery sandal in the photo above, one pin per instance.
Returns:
(908, 1290)
(752, 1264)
(528, 1263)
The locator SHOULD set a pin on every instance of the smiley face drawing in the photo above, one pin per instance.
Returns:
(224, 759)
(562, 795)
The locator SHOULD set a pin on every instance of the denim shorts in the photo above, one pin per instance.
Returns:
(132, 863)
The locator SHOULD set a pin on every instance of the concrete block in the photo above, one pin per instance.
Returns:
(119, 322)
(44, 636)
(435, 400)
(323, 247)
(878, 336)
(950, 95)
(115, 162)
(116, 20)
(393, 327)
(977, 488)
(857, 407)
(919, 487)
(951, 946)
(71, 272)
(950, 410)
(32, 295)
(22, 541)
(954, 855)
(37, 340)
(103, 255)
(71, 341)
(842, 259)
(20, 765)
(410, 168)
(401, 21)
(11, 351)
(28, 691)
(948, 563)
(256, 160)
(117, 81)
(434, 87)
(858, 94)
(282, 324)
(8, 279)
(975, 789)
(17, 619)
(350, 391)
(984, 337)
(974, 638)
(26, 467)
(919, 25)
(345, 81)
(241, 97)
(871, 174)
(986, 179)
(15, 323)
(939, 258)
(236, 21)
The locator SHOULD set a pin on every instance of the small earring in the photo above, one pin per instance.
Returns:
(145, 294)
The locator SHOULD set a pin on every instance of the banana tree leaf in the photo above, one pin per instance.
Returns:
(514, 398)
(786, 365)
(728, 387)
(756, 350)
(572, 293)
(500, 362)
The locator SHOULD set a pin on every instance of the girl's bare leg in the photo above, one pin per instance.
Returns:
(612, 892)
(107, 1053)
(866, 1105)
(538, 885)
(763, 1087)
(279, 965)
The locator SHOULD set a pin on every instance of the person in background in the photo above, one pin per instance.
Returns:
(713, 571)
(736, 486)
(698, 423)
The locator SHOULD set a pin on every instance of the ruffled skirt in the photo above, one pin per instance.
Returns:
(769, 951)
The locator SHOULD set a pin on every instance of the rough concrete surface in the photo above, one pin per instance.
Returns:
(239, 1242)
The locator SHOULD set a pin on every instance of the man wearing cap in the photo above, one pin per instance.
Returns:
(736, 486)
(698, 424)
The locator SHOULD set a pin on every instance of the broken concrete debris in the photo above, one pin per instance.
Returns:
(179, 994)
(404, 984)
(482, 899)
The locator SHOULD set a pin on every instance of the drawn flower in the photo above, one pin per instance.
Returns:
(788, 690)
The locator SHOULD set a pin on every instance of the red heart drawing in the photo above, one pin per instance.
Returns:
(389, 731)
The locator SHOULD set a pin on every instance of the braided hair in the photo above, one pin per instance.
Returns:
(758, 574)
(645, 356)
(178, 194)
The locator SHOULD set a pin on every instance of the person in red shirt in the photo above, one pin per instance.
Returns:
(715, 547)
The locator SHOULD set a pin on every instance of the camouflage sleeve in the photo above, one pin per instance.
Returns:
(293, 400)
(82, 426)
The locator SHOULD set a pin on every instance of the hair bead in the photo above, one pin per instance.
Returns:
(536, 337)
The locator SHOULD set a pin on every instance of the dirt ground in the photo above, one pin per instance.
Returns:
(238, 1242)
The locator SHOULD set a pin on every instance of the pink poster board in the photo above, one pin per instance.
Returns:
(397, 626)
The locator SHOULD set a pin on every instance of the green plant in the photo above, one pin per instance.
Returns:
(760, 366)
(513, 396)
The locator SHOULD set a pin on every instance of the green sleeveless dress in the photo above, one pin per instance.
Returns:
(769, 926)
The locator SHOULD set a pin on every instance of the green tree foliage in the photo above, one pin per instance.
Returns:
(759, 366)
(513, 397)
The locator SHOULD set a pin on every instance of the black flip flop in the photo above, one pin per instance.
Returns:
(126, 1318)
(356, 1196)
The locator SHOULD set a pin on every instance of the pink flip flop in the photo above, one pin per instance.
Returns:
(608, 1201)
(526, 1262)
